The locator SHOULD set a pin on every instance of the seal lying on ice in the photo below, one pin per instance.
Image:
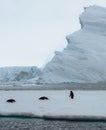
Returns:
(11, 100)
(43, 98)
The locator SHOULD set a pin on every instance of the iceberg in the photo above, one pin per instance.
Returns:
(83, 60)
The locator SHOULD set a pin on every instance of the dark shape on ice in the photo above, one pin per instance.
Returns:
(11, 100)
(43, 98)
(71, 95)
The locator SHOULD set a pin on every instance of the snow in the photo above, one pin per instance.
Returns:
(83, 60)
(86, 104)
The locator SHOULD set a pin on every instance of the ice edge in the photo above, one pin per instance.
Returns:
(51, 117)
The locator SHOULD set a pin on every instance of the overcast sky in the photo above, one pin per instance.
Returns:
(31, 30)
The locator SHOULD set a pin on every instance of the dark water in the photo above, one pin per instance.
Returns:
(40, 124)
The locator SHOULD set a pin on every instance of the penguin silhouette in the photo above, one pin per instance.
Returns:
(71, 95)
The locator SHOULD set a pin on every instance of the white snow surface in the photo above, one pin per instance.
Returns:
(84, 58)
(85, 104)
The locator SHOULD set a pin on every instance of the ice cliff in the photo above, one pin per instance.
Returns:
(17, 74)
(84, 58)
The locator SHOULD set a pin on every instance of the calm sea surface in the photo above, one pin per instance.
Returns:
(40, 124)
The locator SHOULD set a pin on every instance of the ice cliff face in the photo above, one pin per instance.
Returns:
(17, 74)
(84, 58)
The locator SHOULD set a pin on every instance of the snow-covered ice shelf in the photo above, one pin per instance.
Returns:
(86, 104)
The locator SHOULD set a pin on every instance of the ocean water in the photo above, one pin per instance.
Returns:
(40, 124)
